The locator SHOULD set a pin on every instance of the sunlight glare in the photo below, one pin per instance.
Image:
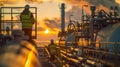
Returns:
(47, 31)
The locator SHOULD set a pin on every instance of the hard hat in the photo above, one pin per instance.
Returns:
(27, 6)
(52, 41)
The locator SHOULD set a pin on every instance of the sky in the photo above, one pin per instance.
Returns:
(49, 15)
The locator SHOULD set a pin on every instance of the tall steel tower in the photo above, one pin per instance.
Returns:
(62, 17)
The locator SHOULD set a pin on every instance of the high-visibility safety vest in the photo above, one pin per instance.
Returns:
(26, 20)
(52, 48)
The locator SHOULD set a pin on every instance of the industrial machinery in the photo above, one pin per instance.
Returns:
(94, 42)
(97, 37)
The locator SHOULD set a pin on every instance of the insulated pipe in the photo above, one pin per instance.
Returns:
(78, 60)
(21, 54)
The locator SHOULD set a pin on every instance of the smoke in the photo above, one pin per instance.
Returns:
(75, 11)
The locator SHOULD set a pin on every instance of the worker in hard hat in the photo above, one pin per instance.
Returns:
(27, 20)
(52, 50)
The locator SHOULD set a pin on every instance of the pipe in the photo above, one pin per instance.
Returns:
(63, 17)
(21, 54)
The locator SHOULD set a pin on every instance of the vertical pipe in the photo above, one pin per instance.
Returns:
(36, 23)
(63, 17)
(82, 14)
(11, 19)
(93, 8)
(0, 19)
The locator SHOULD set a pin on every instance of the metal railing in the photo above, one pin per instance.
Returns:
(9, 17)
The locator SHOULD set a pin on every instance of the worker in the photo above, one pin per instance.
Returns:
(8, 30)
(52, 50)
(27, 20)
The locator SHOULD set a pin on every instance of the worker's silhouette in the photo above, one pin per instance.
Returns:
(27, 20)
(52, 50)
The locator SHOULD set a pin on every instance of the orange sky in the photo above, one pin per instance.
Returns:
(49, 9)
(118, 1)
(48, 14)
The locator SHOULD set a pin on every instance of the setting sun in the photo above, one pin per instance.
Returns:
(46, 31)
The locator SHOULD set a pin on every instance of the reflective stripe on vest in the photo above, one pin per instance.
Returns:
(52, 49)
(26, 20)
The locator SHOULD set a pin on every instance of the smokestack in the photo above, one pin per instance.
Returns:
(63, 17)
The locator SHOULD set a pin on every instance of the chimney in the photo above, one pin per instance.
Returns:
(62, 17)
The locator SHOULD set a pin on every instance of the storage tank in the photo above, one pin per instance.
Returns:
(107, 35)
(71, 39)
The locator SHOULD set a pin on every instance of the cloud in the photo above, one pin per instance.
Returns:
(40, 1)
(101, 4)
(75, 2)
(40, 28)
(117, 1)
(28, 1)
(9, 1)
(95, 2)
(35, 0)
(52, 24)
(75, 11)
